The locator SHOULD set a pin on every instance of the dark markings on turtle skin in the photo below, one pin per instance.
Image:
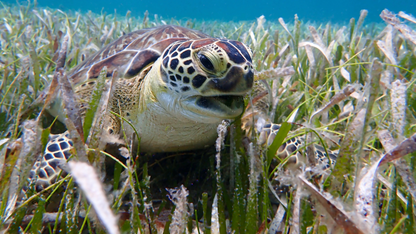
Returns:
(187, 62)
(172, 50)
(291, 148)
(48, 156)
(166, 53)
(232, 52)
(180, 69)
(166, 62)
(191, 70)
(198, 80)
(47, 168)
(53, 147)
(242, 48)
(174, 63)
(185, 54)
(292, 145)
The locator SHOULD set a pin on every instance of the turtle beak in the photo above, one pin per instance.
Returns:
(238, 81)
(223, 98)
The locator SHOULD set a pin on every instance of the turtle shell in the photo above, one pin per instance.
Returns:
(132, 52)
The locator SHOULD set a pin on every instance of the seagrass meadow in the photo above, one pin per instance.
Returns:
(349, 89)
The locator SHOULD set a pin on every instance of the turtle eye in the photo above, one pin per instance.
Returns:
(206, 62)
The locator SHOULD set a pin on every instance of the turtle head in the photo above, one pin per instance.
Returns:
(205, 79)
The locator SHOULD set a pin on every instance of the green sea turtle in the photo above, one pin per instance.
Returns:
(175, 86)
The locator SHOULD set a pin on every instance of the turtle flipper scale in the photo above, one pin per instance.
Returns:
(291, 148)
(49, 166)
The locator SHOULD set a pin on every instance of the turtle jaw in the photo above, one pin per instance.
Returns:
(221, 98)
(216, 107)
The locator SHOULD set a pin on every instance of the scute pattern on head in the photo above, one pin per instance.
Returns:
(183, 72)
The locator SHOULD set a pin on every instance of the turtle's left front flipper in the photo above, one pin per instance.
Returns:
(49, 166)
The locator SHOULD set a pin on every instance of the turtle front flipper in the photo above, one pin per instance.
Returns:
(293, 148)
(49, 166)
(287, 149)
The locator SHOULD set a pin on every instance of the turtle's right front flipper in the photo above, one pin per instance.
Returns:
(294, 146)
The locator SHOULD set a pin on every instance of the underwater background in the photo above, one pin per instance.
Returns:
(239, 10)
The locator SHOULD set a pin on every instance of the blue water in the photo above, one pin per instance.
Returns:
(238, 10)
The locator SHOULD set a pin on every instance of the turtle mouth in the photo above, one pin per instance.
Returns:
(217, 106)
